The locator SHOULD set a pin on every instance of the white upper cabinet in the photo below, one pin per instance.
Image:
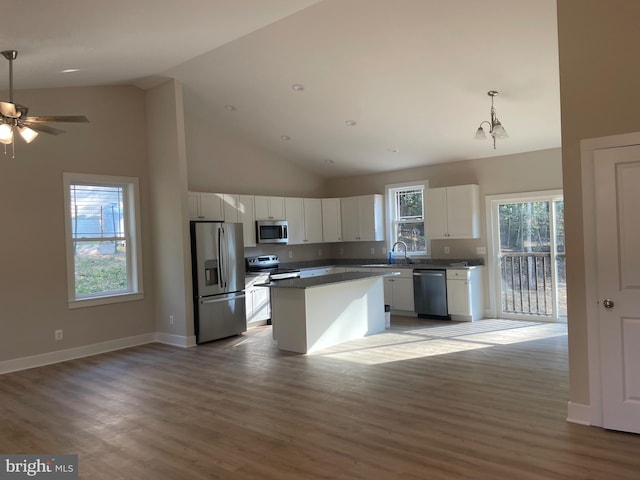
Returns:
(240, 209)
(304, 216)
(362, 218)
(331, 220)
(452, 212)
(269, 208)
(205, 206)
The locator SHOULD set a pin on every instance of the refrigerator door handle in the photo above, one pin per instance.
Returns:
(221, 259)
(224, 299)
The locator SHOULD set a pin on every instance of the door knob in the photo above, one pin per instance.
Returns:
(607, 303)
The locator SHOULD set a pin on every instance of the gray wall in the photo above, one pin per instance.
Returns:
(599, 97)
(33, 288)
(168, 174)
(525, 172)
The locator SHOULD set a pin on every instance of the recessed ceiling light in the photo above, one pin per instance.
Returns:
(351, 123)
(285, 137)
(328, 161)
(71, 70)
(231, 108)
(298, 87)
(394, 149)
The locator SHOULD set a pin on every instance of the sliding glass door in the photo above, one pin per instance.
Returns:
(528, 256)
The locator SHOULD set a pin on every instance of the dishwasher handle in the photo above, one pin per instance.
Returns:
(429, 273)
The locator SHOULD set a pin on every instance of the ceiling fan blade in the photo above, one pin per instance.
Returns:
(8, 109)
(59, 118)
(42, 128)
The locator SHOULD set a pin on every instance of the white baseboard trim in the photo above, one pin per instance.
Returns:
(176, 340)
(33, 361)
(579, 413)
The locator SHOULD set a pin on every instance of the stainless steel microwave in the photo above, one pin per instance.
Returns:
(272, 231)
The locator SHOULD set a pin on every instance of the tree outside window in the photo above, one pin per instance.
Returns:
(407, 218)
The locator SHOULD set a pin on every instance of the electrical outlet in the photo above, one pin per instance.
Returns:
(447, 250)
(170, 319)
(481, 250)
(373, 251)
(290, 253)
(57, 335)
(383, 250)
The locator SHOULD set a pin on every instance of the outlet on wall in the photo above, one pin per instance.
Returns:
(373, 251)
(57, 335)
(481, 250)
(447, 250)
(170, 319)
(290, 253)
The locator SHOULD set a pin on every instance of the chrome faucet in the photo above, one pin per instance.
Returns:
(399, 242)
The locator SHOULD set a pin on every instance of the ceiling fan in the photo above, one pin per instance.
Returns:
(14, 116)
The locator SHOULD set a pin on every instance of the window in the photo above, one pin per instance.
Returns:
(405, 216)
(102, 234)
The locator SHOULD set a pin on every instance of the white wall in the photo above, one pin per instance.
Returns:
(221, 162)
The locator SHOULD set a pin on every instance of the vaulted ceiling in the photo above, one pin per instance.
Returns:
(341, 86)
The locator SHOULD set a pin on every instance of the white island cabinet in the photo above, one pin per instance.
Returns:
(310, 314)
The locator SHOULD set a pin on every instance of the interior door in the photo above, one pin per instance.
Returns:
(617, 176)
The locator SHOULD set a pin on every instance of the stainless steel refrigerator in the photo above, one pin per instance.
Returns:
(217, 265)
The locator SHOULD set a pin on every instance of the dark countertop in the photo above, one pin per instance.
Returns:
(322, 280)
(428, 263)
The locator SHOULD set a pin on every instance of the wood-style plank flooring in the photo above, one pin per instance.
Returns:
(424, 400)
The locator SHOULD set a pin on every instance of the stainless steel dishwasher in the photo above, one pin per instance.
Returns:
(430, 293)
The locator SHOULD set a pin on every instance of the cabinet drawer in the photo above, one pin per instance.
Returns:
(458, 274)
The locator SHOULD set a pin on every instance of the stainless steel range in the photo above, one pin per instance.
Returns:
(270, 264)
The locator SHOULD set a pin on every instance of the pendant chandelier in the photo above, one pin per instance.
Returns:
(496, 130)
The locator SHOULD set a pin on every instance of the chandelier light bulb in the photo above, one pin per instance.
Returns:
(6, 134)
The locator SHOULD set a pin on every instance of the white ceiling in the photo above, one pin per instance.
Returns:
(413, 74)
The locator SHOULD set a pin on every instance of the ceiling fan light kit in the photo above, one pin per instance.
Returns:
(496, 130)
(14, 117)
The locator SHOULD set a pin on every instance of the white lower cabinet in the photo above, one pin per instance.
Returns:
(398, 290)
(257, 299)
(465, 294)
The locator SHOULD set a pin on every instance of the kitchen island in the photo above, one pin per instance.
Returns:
(309, 314)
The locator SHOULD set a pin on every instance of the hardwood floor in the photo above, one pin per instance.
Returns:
(424, 400)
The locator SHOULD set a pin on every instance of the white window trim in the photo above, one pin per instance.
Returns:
(135, 249)
(389, 208)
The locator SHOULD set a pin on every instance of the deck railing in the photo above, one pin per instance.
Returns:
(526, 283)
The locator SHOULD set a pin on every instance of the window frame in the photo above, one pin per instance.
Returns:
(390, 218)
(131, 212)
